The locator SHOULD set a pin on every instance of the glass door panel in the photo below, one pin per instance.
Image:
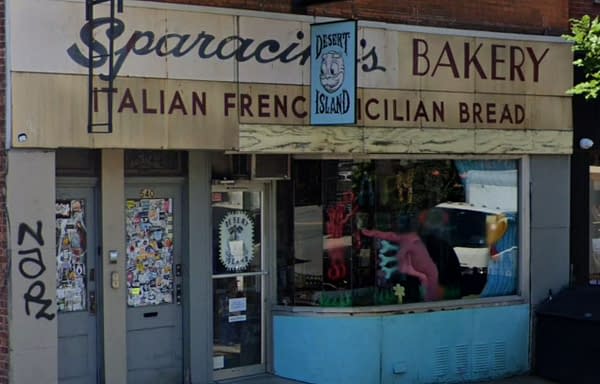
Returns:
(238, 281)
(237, 321)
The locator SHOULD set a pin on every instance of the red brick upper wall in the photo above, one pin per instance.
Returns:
(525, 16)
(578, 8)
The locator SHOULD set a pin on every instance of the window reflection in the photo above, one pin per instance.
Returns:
(237, 322)
(595, 225)
(388, 232)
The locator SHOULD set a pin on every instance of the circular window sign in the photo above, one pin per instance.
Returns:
(236, 233)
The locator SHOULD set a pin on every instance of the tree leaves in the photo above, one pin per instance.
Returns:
(585, 36)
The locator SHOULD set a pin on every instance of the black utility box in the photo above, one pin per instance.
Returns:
(567, 337)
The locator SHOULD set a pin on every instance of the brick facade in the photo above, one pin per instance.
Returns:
(578, 8)
(531, 16)
(4, 265)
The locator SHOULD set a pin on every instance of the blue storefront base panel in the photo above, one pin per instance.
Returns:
(328, 349)
(434, 347)
(455, 346)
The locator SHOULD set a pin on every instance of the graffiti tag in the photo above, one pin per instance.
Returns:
(31, 267)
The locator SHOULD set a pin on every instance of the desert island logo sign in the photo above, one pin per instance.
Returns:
(333, 73)
(236, 233)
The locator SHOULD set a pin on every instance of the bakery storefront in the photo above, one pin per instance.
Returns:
(212, 232)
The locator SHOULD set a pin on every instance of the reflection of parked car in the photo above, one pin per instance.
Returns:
(465, 227)
(485, 242)
(345, 175)
(344, 170)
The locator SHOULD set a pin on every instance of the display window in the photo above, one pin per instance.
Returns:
(389, 232)
(594, 263)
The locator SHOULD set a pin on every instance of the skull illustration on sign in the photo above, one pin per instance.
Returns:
(332, 71)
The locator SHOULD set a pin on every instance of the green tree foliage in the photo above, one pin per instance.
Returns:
(585, 36)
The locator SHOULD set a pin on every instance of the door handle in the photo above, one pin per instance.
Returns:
(178, 293)
(92, 298)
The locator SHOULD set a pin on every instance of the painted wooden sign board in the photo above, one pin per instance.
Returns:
(200, 78)
(333, 73)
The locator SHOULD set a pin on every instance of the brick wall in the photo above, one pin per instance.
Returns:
(529, 16)
(578, 8)
(4, 267)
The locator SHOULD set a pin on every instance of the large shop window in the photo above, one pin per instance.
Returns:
(594, 266)
(387, 232)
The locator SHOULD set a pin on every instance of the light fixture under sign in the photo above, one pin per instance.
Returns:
(22, 137)
(586, 143)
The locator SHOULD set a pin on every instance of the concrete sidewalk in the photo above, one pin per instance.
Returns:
(270, 379)
(519, 380)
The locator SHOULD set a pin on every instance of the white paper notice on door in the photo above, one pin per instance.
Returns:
(237, 304)
(236, 319)
(218, 362)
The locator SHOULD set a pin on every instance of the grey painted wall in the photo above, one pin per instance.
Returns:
(32, 249)
(113, 238)
(550, 218)
(198, 341)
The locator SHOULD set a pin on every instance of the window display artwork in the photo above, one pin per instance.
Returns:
(382, 232)
(71, 253)
(149, 229)
(236, 236)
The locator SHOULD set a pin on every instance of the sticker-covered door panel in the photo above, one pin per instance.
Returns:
(71, 248)
(149, 252)
(153, 268)
(76, 285)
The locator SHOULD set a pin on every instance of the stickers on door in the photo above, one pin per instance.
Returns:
(71, 245)
(149, 240)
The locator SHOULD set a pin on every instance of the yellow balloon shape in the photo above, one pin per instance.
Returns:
(496, 228)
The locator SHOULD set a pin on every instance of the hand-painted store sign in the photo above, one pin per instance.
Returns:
(501, 62)
(333, 73)
(265, 106)
(209, 76)
(202, 44)
(466, 60)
